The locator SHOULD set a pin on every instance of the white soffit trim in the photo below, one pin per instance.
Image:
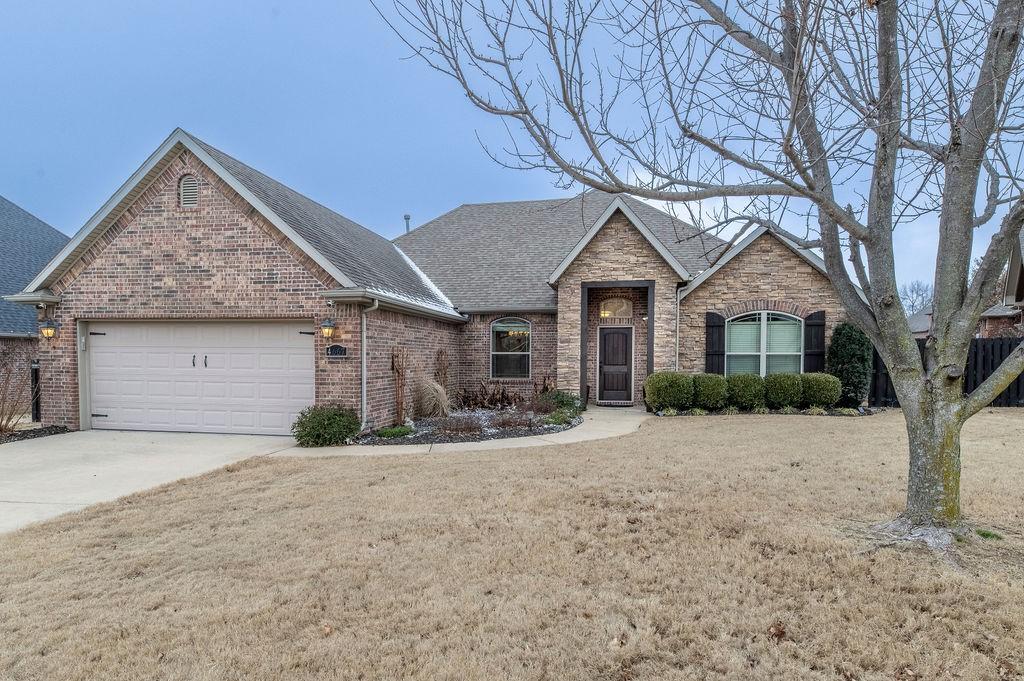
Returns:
(105, 217)
(619, 204)
(1014, 273)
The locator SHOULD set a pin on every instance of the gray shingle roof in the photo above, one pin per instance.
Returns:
(495, 256)
(368, 259)
(920, 322)
(1001, 310)
(28, 244)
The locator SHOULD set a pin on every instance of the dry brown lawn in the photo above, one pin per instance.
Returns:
(698, 548)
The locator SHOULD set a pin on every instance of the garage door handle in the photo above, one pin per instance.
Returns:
(204, 360)
(193, 360)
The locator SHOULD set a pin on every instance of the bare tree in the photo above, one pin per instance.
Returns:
(848, 118)
(916, 296)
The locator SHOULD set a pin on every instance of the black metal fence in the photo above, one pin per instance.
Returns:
(985, 355)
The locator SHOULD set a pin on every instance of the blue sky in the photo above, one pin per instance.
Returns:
(319, 95)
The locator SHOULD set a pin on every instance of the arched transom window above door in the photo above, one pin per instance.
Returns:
(616, 308)
(764, 343)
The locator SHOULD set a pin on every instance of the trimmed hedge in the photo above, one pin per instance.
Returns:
(710, 391)
(820, 390)
(849, 360)
(783, 390)
(668, 390)
(324, 426)
(746, 391)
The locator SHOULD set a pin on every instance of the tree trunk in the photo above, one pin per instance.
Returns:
(933, 480)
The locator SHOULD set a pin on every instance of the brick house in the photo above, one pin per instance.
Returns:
(28, 244)
(1007, 318)
(206, 296)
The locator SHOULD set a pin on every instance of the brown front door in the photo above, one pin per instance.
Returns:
(615, 364)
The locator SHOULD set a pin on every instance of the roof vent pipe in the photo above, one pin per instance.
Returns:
(407, 218)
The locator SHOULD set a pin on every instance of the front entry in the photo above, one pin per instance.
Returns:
(615, 364)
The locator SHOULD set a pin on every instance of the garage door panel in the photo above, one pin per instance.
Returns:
(258, 375)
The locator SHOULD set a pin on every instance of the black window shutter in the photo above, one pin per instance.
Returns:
(814, 342)
(714, 354)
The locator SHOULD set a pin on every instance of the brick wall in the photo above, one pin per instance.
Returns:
(16, 355)
(474, 356)
(765, 276)
(998, 327)
(421, 339)
(220, 261)
(618, 253)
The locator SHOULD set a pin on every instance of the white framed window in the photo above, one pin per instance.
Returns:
(764, 343)
(616, 308)
(510, 348)
(188, 191)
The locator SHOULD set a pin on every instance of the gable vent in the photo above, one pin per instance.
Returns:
(188, 191)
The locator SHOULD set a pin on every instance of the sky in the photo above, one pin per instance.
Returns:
(321, 96)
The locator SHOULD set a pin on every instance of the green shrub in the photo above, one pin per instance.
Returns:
(849, 359)
(324, 426)
(815, 411)
(396, 431)
(729, 410)
(820, 390)
(710, 391)
(846, 411)
(697, 411)
(668, 389)
(746, 391)
(782, 390)
(559, 399)
(762, 410)
(789, 411)
(669, 411)
(559, 417)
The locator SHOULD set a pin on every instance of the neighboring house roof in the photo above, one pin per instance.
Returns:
(28, 244)
(812, 258)
(359, 259)
(1000, 310)
(500, 256)
(920, 322)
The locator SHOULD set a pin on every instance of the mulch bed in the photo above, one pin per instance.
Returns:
(32, 433)
(428, 431)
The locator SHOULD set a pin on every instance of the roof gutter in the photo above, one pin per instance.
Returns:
(42, 297)
(368, 296)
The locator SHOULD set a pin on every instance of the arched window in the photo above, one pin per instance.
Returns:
(616, 308)
(764, 343)
(510, 348)
(188, 191)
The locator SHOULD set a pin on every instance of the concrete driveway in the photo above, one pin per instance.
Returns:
(47, 476)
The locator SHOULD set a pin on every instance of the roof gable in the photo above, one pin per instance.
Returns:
(353, 255)
(619, 205)
(806, 254)
(28, 244)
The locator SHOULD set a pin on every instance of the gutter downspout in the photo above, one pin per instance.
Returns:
(678, 291)
(362, 363)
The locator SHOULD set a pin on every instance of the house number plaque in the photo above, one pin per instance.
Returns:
(336, 350)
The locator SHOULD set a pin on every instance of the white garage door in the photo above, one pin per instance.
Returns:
(211, 377)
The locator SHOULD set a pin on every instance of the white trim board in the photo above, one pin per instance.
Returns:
(619, 204)
(1014, 273)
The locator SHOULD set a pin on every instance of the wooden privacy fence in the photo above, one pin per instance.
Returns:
(985, 355)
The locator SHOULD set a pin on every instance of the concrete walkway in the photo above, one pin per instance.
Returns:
(598, 423)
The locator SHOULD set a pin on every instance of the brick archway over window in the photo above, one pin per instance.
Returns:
(784, 306)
